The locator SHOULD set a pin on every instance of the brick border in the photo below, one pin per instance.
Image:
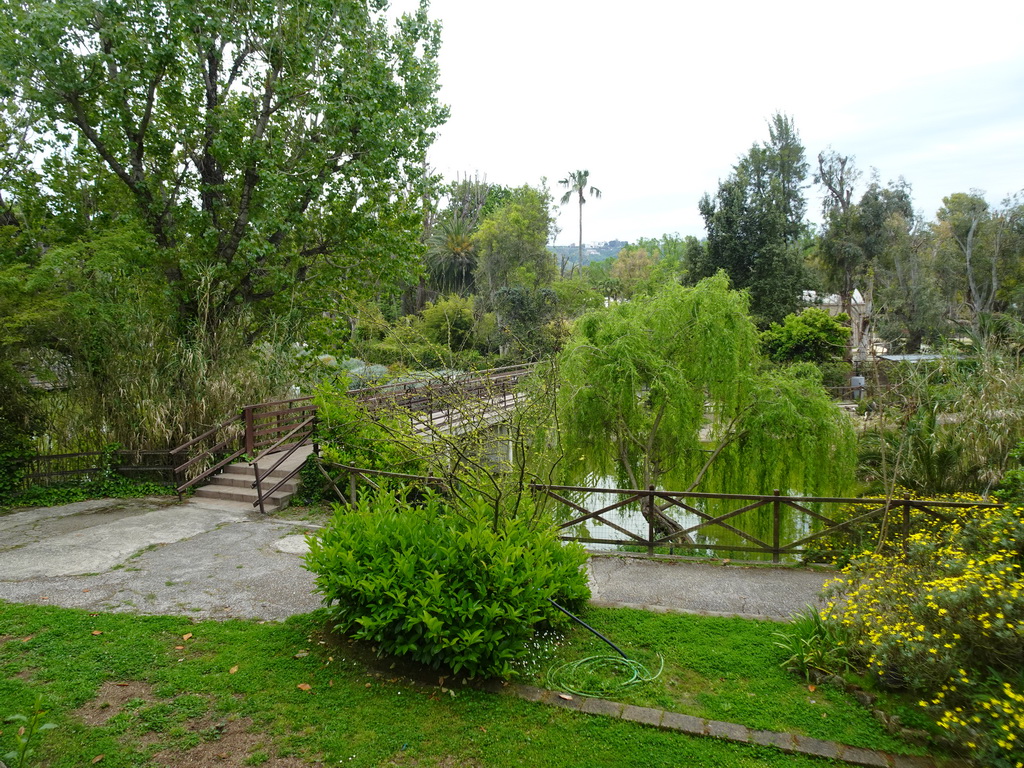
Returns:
(696, 726)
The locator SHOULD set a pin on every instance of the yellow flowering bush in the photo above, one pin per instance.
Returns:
(947, 623)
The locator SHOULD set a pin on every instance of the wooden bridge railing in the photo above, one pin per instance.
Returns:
(281, 425)
(253, 429)
(439, 392)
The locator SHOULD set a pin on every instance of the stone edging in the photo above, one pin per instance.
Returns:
(696, 726)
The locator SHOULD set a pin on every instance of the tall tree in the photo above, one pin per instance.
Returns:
(211, 172)
(576, 183)
(512, 242)
(267, 146)
(983, 246)
(755, 221)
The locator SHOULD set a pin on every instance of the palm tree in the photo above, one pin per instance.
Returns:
(576, 182)
(451, 254)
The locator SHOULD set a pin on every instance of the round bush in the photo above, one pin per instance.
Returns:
(439, 584)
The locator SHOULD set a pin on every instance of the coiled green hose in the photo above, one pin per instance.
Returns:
(600, 676)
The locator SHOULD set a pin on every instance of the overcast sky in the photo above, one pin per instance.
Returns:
(658, 99)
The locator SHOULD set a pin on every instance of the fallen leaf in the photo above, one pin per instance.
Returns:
(367, 685)
(97, 632)
(97, 759)
(304, 686)
(330, 683)
(85, 590)
(26, 639)
(811, 688)
(179, 647)
(565, 696)
(186, 636)
(483, 729)
(301, 655)
(233, 670)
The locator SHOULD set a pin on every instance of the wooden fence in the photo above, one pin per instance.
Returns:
(54, 469)
(668, 516)
(761, 524)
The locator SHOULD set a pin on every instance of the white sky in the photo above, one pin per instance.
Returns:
(658, 98)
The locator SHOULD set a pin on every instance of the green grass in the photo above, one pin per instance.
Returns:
(721, 669)
(351, 714)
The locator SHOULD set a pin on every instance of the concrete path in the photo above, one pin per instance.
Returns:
(712, 589)
(216, 559)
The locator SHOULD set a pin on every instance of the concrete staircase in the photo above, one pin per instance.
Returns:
(233, 486)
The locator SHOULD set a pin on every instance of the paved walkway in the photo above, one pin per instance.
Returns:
(216, 559)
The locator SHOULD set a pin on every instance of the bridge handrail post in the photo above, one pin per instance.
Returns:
(650, 519)
(250, 439)
(776, 526)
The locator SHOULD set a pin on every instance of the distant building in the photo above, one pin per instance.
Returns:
(861, 347)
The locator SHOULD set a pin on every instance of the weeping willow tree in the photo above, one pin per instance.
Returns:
(673, 392)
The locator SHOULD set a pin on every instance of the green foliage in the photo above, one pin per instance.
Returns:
(949, 425)
(29, 729)
(512, 243)
(528, 328)
(450, 321)
(814, 644)
(812, 336)
(439, 584)
(946, 624)
(221, 136)
(107, 483)
(1011, 489)
(754, 222)
(672, 390)
(348, 434)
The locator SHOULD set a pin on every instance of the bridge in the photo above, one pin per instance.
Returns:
(254, 457)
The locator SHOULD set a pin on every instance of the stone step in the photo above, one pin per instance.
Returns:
(234, 484)
(272, 503)
(238, 480)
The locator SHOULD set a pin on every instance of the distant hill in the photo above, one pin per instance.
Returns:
(591, 252)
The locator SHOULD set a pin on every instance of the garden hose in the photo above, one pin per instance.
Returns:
(599, 675)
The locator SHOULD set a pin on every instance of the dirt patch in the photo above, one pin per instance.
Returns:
(233, 745)
(226, 742)
(110, 701)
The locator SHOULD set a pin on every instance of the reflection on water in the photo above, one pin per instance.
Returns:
(708, 541)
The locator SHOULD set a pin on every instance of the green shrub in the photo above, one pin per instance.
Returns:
(440, 585)
(815, 644)
(948, 624)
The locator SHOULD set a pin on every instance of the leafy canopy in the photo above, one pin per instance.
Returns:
(262, 147)
(673, 391)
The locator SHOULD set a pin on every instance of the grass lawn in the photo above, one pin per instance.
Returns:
(126, 690)
(721, 669)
